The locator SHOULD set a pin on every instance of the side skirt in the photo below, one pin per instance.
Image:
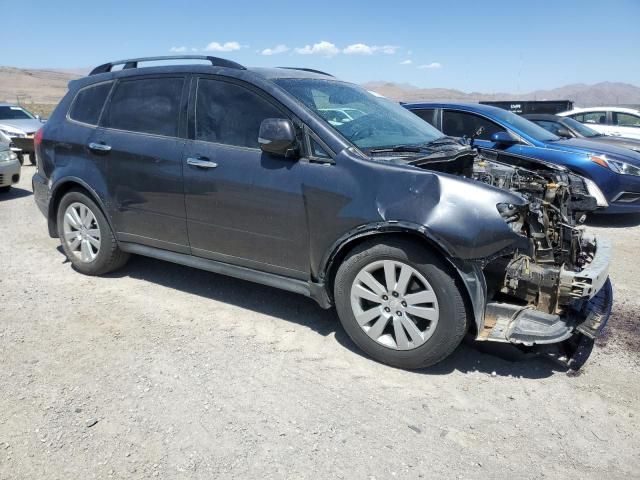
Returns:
(312, 290)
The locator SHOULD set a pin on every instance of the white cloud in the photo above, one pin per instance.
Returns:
(358, 49)
(275, 50)
(431, 66)
(178, 49)
(325, 48)
(364, 49)
(388, 49)
(222, 47)
(406, 62)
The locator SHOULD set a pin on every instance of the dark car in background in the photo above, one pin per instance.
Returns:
(612, 173)
(567, 127)
(522, 107)
(248, 172)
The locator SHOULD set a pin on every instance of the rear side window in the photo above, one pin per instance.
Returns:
(230, 114)
(462, 124)
(88, 103)
(428, 115)
(147, 105)
(626, 119)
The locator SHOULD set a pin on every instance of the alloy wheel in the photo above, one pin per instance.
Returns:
(394, 304)
(81, 232)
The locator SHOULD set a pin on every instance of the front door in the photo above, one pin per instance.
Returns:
(243, 206)
(140, 143)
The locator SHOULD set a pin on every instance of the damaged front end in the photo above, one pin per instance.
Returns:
(554, 288)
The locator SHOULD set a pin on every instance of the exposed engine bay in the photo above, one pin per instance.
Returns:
(553, 288)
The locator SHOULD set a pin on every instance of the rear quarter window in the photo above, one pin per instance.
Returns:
(87, 105)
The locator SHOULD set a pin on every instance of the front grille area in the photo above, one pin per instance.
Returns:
(1, 179)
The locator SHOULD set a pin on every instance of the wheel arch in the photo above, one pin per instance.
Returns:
(60, 189)
(468, 273)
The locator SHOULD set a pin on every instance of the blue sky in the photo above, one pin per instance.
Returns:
(487, 46)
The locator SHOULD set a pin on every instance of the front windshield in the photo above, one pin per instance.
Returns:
(525, 126)
(581, 128)
(368, 121)
(14, 113)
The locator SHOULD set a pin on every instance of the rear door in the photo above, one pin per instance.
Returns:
(243, 206)
(141, 143)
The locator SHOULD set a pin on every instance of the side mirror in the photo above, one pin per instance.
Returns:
(277, 137)
(504, 138)
(563, 132)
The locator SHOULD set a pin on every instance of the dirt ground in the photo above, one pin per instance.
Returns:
(162, 371)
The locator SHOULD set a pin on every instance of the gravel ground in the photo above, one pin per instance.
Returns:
(164, 371)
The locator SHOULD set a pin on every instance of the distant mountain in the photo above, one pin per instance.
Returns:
(47, 86)
(605, 93)
(34, 85)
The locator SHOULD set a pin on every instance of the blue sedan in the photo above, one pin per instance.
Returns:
(612, 173)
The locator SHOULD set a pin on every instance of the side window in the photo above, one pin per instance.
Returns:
(87, 105)
(461, 124)
(552, 127)
(593, 117)
(626, 119)
(428, 115)
(230, 114)
(147, 105)
(318, 151)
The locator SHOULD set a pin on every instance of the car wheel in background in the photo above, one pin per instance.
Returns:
(400, 303)
(86, 236)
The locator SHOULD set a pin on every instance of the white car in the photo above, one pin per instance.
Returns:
(617, 121)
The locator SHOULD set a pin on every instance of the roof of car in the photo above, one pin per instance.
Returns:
(199, 68)
(543, 116)
(475, 107)
(601, 109)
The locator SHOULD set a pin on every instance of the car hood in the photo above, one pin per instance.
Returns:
(29, 125)
(582, 145)
(617, 141)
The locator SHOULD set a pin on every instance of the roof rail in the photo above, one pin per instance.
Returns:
(133, 62)
(308, 70)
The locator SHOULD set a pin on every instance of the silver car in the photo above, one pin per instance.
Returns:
(9, 168)
(17, 127)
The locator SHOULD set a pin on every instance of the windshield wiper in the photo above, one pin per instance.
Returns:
(442, 140)
(397, 148)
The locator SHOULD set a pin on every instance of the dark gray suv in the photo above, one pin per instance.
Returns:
(414, 238)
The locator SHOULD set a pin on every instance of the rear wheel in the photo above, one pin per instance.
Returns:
(86, 237)
(400, 303)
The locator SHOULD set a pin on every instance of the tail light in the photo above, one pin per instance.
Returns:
(37, 138)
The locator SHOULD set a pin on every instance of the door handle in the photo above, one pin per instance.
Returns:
(201, 162)
(99, 147)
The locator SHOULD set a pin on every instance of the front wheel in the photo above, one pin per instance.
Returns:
(400, 303)
(86, 237)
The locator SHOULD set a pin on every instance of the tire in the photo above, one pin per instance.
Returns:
(98, 251)
(430, 277)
